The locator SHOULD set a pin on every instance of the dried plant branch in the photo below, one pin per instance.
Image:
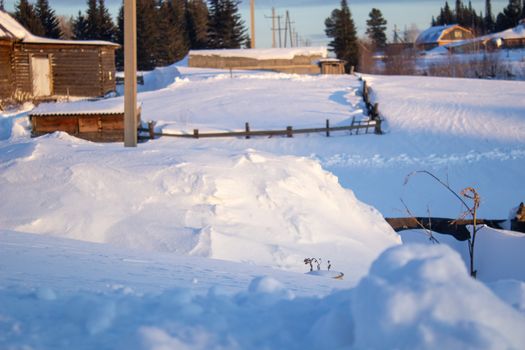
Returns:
(468, 193)
(420, 224)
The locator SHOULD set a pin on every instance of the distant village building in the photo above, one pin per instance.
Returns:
(442, 35)
(513, 38)
(332, 66)
(292, 60)
(33, 67)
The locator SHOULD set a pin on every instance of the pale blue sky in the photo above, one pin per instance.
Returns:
(309, 15)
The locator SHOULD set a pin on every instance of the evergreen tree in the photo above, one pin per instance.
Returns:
(376, 28)
(488, 21)
(341, 28)
(463, 15)
(48, 19)
(147, 37)
(459, 14)
(197, 23)
(119, 36)
(446, 17)
(25, 15)
(510, 16)
(226, 29)
(2, 7)
(106, 29)
(80, 27)
(93, 20)
(179, 44)
(172, 43)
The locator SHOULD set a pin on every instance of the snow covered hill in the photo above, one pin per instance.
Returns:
(199, 244)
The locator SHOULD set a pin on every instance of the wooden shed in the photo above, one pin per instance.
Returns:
(332, 66)
(442, 35)
(290, 60)
(98, 121)
(33, 68)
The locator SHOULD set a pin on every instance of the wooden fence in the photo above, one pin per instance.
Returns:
(454, 227)
(359, 126)
(363, 126)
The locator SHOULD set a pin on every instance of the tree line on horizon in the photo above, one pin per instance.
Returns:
(166, 29)
(481, 24)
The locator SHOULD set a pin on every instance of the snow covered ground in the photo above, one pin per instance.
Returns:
(107, 247)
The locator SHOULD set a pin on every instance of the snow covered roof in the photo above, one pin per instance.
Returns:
(517, 32)
(265, 54)
(434, 34)
(106, 106)
(12, 30)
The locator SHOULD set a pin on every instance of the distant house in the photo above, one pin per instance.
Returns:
(442, 35)
(33, 67)
(291, 60)
(513, 38)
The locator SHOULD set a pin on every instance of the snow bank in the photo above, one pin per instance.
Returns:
(498, 253)
(420, 297)
(242, 206)
(264, 54)
(415, 297)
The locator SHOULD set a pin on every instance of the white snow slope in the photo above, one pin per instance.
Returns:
(168, 206)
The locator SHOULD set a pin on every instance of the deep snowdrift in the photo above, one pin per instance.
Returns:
(414, 297)
(242, 206)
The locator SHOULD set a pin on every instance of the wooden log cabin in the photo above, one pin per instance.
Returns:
(36, 68)
(442, 35)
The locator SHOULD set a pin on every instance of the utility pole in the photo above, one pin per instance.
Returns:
(274, 29)
(286, 20)
(252, 16)
(279, 29)
(130, 73)
(290, 27)
(288, 31)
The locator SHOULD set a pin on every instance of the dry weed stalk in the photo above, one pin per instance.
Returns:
(468, 193)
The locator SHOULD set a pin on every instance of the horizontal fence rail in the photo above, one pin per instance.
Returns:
(357, 125)
(455, 227)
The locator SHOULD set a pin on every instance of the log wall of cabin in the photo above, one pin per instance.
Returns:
(6, 82)
(298, 64)
(456, 34)
(107, 64)
(78, 70)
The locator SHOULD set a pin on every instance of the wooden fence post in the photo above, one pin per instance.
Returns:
(289, 131)
(196, 133)
(247, 126)
(375, 111)
(378, 127)
(151, 129)
(327, 127)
